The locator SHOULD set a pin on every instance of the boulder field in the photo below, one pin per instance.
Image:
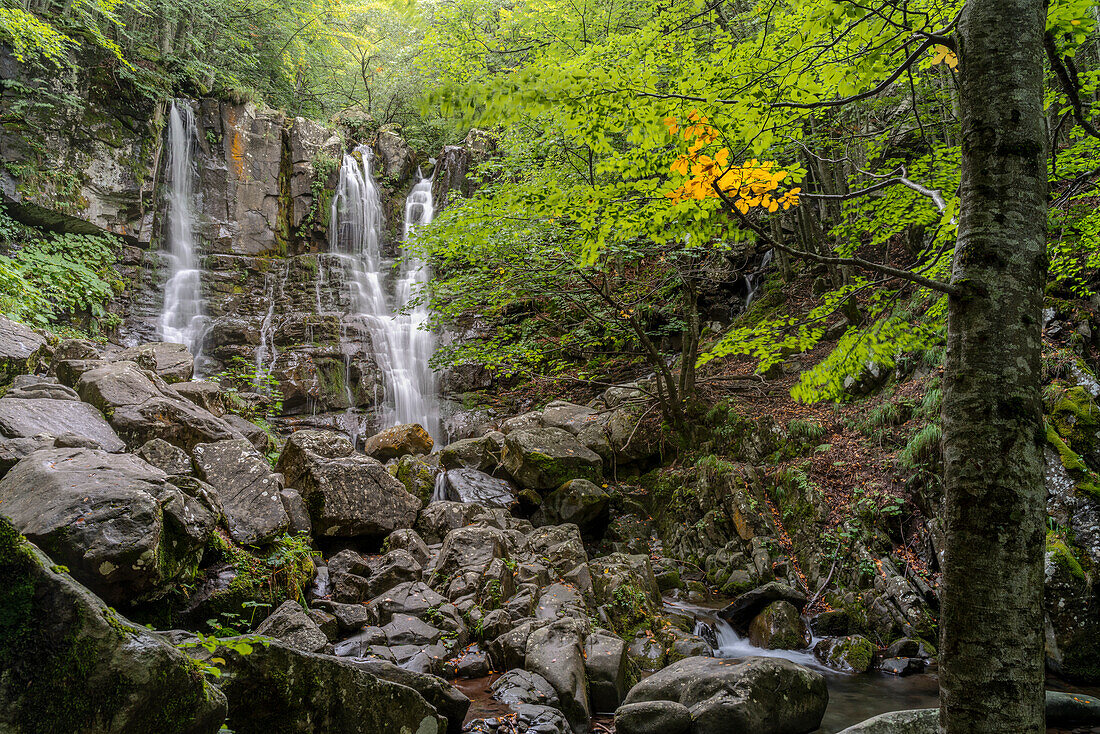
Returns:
(296, 583)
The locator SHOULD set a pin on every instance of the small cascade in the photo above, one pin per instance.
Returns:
(181, 319)
(383, 301)
(267, 352)
(755, 279)
(439, 492)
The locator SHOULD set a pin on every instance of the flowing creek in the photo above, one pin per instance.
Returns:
(853, 697)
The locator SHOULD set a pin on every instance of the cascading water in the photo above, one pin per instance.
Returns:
(401, 347)
(181, 319)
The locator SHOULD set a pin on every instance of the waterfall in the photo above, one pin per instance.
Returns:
(755, 279)
(401, 347)
(181, 319)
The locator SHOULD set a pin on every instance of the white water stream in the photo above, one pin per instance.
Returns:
(382, 292)
(181, 319)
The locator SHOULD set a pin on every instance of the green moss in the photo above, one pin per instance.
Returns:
(1075, 416)
(1070, 460)
(1062, 556)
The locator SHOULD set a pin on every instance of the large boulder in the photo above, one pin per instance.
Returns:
(114, 520)
(168, 361)
(141, 406)
(523, 686)
(291, 624)
(274, 688)
(556, 652)
(476, 487)
(71, 664)
(392, 443)
(348, 495)
(247, 488)
(653, 717)
(727, 696)
(779, 627)
(577, 501)
(19, 348)
(742, 610)
(470, 548)
(27, 417)
(545, 458)
(605, 664)
(445, 698)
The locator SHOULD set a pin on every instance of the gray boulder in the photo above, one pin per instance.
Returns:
(164, 456)
(727, 696)
(247, 488)
(523, 686)
(445, 698)
(207, 395)
(347, 495)
(440, 518)
(556, 652)
(71, 664)
(141, 406)
(408, 540)
(113, 519)
(470, 548)
(605, 664)
(168, 361)
(578, 501)
(395, 567)
(545, 458)
(20, 346)
(476, 487)
(653, 717)
(26, 417)
(275, 688)
(35, 386)
(293, 625)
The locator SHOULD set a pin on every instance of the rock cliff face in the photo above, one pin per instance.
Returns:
(277, 303)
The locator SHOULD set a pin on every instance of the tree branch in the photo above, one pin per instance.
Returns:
(858, 262)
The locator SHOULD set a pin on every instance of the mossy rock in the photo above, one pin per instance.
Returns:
(1075, 416)
(72, 664)
(854, 653)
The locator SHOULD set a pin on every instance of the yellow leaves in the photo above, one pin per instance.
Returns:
(749, 185)
(944, 55)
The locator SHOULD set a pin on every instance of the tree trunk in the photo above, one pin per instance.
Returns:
(991, 673)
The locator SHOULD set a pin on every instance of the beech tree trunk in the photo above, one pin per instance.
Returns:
(991, 654)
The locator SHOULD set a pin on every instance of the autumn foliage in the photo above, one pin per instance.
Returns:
(746, 185)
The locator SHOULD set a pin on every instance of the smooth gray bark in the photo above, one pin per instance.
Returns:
(991, 674)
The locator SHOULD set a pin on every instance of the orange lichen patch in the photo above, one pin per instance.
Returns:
(236, 143)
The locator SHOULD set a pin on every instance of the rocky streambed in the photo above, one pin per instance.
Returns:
(168, 566)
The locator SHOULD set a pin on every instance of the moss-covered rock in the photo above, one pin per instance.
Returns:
(846, 653)
(274, 688)
(1069, 596)
(779, 627)
(72, 664)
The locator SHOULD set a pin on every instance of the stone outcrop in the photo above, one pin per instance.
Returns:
(72, 664)
(347, 495)
(114, 520)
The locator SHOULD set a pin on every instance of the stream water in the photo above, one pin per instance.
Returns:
(382, 291)
(852, 697)
(181, 319)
